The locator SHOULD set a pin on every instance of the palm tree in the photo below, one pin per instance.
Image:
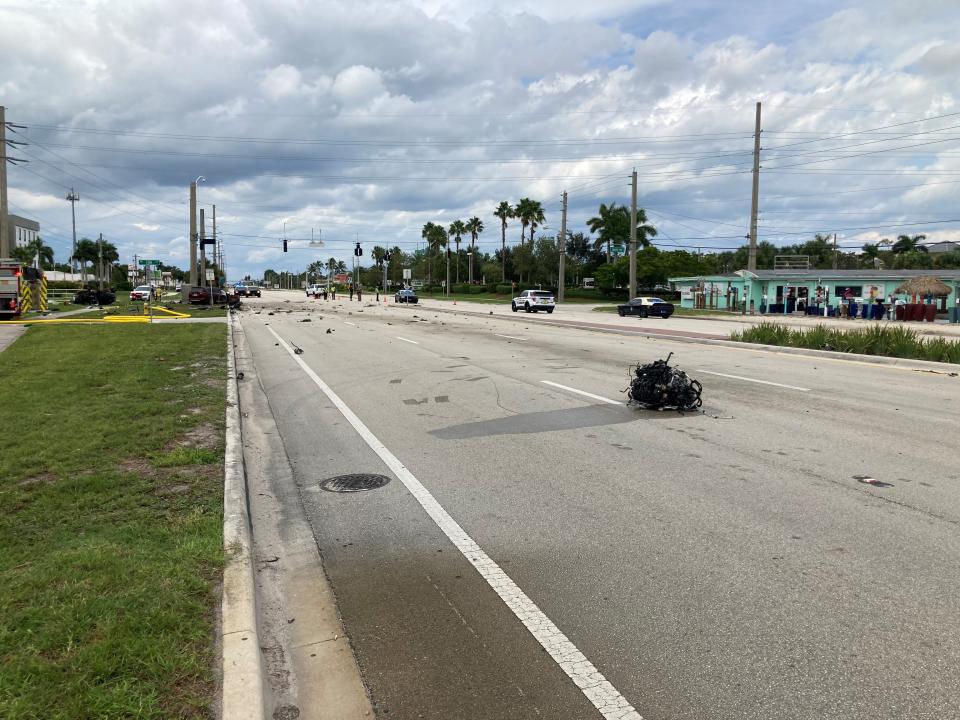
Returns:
(504, 212)
(604, 223)
(436, 239)
(522, 213)
(644, 231)
(425, 233)
(906, 243)
(35, 253)
(535, 216)
(86, 253)
(474, 227)
(457, 229)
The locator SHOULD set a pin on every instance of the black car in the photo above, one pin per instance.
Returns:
(645, 307)
(247, 290)
(405, 296)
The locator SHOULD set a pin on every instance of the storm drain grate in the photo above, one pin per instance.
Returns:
(354, 483)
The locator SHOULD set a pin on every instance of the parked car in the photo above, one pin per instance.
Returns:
(247, 290)
(533, 301)
(315, 290)
(201, 296)
(406, 295)
(645, 307)
(143, 293)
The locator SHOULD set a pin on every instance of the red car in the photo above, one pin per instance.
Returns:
(201, 296)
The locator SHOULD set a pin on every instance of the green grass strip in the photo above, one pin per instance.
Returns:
(111, 529)
(878, 339)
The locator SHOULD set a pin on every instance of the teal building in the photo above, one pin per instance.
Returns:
(807, 291)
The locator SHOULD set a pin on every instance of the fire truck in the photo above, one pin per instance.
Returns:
(21, 289)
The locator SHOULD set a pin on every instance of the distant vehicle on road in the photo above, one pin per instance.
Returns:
(405, 296)
(92, 296)
(143, 293)
(533, 301)
(315, 290)
(201, 296)
(645, 307)
(247, 290)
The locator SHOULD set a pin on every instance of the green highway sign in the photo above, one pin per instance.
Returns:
(149, 262)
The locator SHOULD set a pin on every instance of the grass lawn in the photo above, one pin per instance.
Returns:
(111, 525)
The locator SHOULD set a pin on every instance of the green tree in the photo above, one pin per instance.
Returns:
(505, 212)
(436, 238)
(909, 243)
(457, 229)
(607, 223)
(474, 227)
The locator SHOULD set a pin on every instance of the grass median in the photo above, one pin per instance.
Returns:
(111, 530)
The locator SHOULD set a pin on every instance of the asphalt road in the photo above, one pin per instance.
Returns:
(726, 564)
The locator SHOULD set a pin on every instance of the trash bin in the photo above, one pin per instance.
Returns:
(929, 312)
(955, 314)
(898, 312)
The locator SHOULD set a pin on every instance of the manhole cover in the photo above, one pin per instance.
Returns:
(354, 483)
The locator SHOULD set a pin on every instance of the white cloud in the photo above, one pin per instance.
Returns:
(437, 109)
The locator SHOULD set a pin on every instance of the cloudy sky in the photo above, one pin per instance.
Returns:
(364, 120)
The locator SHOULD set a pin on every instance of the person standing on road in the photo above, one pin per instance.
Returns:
(351, 291)
(359, 293)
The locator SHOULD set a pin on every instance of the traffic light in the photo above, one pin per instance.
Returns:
(358, 251)
(284, 244)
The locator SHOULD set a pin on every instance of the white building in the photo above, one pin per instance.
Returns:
(22, 231)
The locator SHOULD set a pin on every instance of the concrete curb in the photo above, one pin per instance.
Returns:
(903, 363)
(243, 696)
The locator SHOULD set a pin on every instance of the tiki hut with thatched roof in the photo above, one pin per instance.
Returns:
(924, 286)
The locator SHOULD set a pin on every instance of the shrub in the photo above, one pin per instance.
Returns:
(477, 289)
(885, 340)
(504, 289)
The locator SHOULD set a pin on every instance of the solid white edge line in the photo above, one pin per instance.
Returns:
(412, 342)
(597, 689)
(753, 380)
(582, 392)
(509, 337)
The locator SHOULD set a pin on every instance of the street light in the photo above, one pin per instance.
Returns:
(470, 266)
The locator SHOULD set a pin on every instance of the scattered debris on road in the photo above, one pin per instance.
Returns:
(657, 386)
(867, 480)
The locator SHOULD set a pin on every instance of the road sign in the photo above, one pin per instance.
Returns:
(407, 273)
(209, 274)
(149, 262)
(617, 250)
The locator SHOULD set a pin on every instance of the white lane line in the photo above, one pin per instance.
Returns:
(597, 689)
(412, 342)
(347, 322)
(753, 380)
(509, 337)
(582, 392)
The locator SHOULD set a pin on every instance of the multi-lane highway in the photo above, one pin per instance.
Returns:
(541, 550)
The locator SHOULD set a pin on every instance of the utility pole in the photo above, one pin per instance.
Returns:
(73, 197)
(4, 225)
(215, 258)
(755, 197)
(563, 247)
(834, 251)
(633, 236)
(448, 272)
(136, 270)
(193, 234)
(100, 260)
(203, 256)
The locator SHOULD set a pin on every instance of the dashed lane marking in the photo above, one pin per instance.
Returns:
(595, 687)
(753, 380)
(509, 337)
(412, 342)
(582, 392)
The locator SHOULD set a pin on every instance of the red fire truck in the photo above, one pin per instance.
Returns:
(20, 289)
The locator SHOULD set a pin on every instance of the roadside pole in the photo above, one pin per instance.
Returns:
(193, 235)
(755, 198)
(563, 248)
(448, 273)
(633, 236)
(4, 227)
(100, 260)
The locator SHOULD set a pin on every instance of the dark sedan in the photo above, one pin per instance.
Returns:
(405, 296)
(201, 296)
(645, 307)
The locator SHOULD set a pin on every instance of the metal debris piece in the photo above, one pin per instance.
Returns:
(657, 386)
